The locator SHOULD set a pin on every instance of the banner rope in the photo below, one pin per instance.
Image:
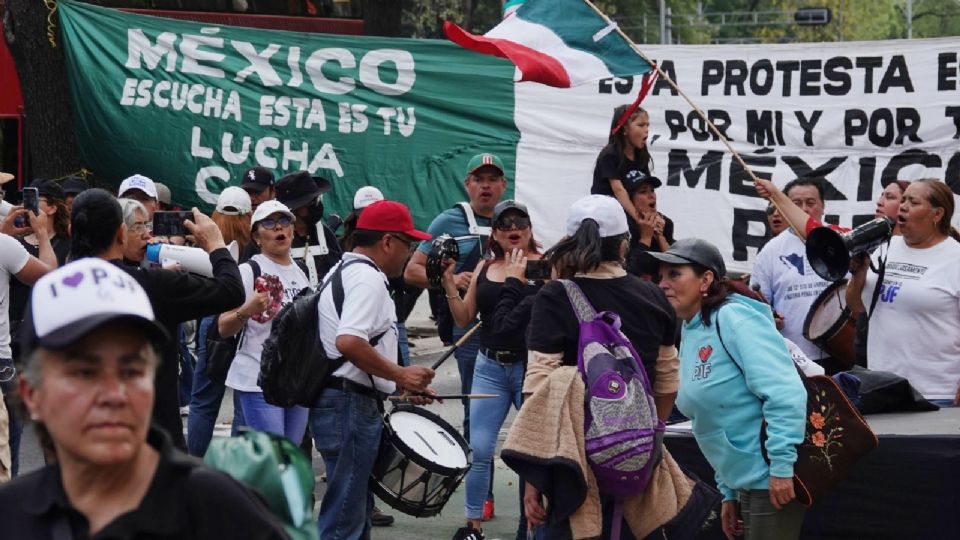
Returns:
(51, 6)
(83, 172)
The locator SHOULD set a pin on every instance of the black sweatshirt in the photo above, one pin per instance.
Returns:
(178, 297)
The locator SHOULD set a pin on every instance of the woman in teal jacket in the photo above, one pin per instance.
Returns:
(730, 385)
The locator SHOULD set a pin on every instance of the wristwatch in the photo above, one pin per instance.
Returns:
(241, 316)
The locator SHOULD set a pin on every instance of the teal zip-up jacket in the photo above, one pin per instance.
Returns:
(726, 403)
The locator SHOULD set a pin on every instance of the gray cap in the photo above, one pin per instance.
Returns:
(693, 250)
(508, 204)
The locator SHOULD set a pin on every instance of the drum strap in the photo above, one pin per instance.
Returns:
(880, 273)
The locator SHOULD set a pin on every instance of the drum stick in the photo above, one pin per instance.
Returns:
(408, 397)
(459, 342)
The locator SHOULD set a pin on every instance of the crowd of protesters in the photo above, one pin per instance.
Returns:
(106, 348)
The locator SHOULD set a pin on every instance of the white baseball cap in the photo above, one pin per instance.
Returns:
(234, 201)
(138, 181)
(269, 208)
(75, 299)
(605, 210)
(366, 196)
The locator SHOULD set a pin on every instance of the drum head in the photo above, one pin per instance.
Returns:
(428, 439)
(828, 313)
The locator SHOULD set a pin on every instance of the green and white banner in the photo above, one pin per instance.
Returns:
(193, 105)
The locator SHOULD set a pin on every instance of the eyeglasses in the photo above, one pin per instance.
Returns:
(141, 227)
(504, 223)
(406, 241)
(271, 223)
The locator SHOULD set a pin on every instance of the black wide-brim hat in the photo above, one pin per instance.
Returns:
(299, 189)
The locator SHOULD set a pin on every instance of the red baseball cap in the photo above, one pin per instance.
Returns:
(389, 216)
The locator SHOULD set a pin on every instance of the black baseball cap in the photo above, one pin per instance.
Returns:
(74, 185)
(693, 250)
(298, 189)
(257, 179)
(508, 204)
(636, 178)
(49, 189)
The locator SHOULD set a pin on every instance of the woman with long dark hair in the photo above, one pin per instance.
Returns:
(502, 358)
(624, 162)
(592, 256)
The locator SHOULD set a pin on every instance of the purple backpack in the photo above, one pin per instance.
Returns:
(623, 435)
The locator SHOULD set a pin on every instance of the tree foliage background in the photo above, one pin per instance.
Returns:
(699, 22)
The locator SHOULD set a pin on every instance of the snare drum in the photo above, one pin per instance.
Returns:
(830, 325)
(422, 460)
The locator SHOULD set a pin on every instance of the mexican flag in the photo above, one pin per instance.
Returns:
(560, 43)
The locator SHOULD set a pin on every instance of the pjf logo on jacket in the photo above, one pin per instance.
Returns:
(702, 370)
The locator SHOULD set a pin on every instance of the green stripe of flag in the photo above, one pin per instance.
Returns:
(577, 23)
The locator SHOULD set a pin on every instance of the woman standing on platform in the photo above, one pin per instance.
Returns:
(736, 374)
(501, 362)
(919, 296)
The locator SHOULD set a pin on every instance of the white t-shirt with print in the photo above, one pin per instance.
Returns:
(13, 257)
(246, 365)
(788, 281)
(915, 327)
(368, 311)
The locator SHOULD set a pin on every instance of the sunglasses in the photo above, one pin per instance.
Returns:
(504, 223)
(271, 223)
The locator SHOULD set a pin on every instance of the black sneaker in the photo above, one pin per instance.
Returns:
(379, 519)
(468, 533)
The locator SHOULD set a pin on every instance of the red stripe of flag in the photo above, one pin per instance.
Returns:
(534, 65)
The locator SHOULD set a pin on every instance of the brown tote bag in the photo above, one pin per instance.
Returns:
(835, 437)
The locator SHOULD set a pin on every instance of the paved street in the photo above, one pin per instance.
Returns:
(425, 351)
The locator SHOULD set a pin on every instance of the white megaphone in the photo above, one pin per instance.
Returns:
(189, 259)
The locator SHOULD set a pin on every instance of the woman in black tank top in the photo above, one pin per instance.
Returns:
(497, 293)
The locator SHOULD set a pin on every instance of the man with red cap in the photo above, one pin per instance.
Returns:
(346, 419)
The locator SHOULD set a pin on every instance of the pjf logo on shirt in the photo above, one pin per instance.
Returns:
(888, 291)
(702, 370)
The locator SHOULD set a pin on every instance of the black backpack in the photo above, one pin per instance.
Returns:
(294, 367)
(220, 351)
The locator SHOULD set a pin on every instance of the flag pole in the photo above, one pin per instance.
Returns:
(713, 128)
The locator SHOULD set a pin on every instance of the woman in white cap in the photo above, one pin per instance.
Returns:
(91, 347)
(592, 256)
(737, 374)
(284, 279)
(232, 216)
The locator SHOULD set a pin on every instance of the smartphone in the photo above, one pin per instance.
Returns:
(538, 270)
(31, 200)
(171, 223)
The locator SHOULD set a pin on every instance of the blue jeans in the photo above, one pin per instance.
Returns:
(289, 422)
(186, 367)
(506, 381)
(346, 431)
(205, 397)
(16, 426)
(466, 356)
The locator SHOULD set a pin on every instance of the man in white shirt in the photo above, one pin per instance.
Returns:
(785, 276)
(360, 326)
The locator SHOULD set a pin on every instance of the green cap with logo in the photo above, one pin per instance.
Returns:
(482, 160)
